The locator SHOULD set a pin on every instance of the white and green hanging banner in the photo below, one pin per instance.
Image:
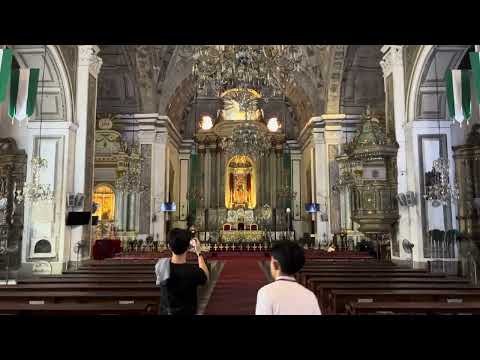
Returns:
(458, 95)
(23, 93)
(475, 64)
(5, 71)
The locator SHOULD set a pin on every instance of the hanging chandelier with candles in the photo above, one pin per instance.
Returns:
(267, 69)
(36, 191)
(437, 184)
(247, 139)
(438, 189)
(130, 180)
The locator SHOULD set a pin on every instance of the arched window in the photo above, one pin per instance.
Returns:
(104, 197)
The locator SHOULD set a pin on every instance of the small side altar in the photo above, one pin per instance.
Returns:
(242, 235)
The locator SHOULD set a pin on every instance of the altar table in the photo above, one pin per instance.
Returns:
(242, 235)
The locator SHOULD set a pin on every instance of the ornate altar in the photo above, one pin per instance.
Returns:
(13, 166)
(467, 164)
(240, 185)
(241, 226)
(370, 161)
(242, 236)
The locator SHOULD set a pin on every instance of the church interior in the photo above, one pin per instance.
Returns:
(367, 156)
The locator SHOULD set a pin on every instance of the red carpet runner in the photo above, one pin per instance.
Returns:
(235, 292)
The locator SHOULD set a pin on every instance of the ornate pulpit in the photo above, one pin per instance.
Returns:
(467, 164)
(369, 163)
(13, 166)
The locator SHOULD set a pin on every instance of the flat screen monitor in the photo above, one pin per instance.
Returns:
(312, 207)
(168, 207)
(75, 218)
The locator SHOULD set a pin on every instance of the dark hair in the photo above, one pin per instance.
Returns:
(289, 255)
(178, 240)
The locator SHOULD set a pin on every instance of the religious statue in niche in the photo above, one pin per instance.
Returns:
(240, 184)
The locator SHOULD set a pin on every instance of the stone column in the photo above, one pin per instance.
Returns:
(219, 177)
(88, 68)
(146, 139)
(119, 210)
(213, 177)
(393, 73)
(334, 129)
(129, 207)
(207, 177)
(159, 183)
(296, 158)
(184, 176)
(322, 230)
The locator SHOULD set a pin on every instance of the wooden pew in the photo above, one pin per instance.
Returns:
(413, 308)
(89, 279)
(305, 275)
(126, 271)
(137, 309)
(339, 298)
(322, 290)
(145, 296)
(90, 286)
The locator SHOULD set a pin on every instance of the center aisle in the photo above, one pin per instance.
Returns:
(235, 292)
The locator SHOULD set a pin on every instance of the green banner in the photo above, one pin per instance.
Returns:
(475, 63)
(5, 71)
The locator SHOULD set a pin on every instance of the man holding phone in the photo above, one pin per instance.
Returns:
(179, 280)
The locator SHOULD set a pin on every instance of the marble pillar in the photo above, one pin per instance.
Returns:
(322, 232)
(296, 159)
(88, 68)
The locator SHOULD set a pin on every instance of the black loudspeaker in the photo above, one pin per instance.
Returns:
(94, 220)
(76, 218)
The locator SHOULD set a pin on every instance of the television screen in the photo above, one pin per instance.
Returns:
(94, 220)
(168, 206)
(78, 218)
(312, 207)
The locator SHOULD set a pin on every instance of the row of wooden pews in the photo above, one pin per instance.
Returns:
(97, 288)
(367, 286)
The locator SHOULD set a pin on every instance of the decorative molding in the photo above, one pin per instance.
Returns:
(335, 78)
(87, 56)
(393, 56)
(161, 138)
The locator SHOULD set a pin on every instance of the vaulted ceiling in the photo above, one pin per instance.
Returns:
(155, 78)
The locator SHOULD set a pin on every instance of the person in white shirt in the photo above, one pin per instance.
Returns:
(285, 296)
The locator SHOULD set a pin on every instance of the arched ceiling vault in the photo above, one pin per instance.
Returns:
(155, 78)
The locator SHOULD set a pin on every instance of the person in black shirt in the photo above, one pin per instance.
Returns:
(178, 279)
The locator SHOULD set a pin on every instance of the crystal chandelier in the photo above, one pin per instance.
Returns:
(247, 139)
(35, 191)
(130, 181)
(437, 184)
(267, 69)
